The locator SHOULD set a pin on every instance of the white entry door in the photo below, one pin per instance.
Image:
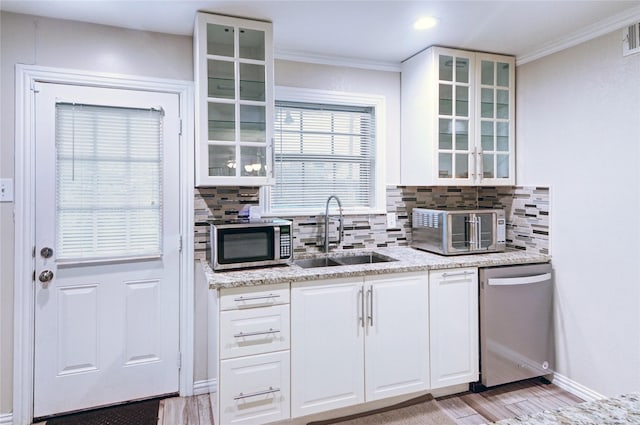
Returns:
(107, 246)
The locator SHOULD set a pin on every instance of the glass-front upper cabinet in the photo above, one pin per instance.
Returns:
(457, 118)
(234, 101)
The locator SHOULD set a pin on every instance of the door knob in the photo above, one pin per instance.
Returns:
(46, 252)
(45, 277)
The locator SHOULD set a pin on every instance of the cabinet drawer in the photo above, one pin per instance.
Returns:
(255, 390)
(254, 331)
(257, 296)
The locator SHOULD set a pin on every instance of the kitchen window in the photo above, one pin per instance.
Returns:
(326, 143)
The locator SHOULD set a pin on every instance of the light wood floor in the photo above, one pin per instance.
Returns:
(492, 405)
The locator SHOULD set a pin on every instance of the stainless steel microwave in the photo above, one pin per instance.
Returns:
(243, 243)
(458, 231)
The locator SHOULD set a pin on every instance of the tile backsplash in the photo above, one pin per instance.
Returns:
(526, 210)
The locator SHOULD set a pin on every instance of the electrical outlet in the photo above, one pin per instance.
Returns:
(391, 220)
(6, 190)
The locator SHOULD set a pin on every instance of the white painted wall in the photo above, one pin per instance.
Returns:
(578, 131)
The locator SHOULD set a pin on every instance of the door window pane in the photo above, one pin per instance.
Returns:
(445, 165)
(219, 40)
(253, 125)
(486, 73)
(445, 139)
(502, 167)
(462, 101)
(446, 68)
(502, 74)
(503, 136)
(486, 103)
(462, 135)
(251, 44)
(502, 104)
(462, 70)
(108, 182)
(446, 99)
(462, 165)
(486, 135)
(222, 160)
(220, 79)
(252, 85)
(222, 125)
(487, 166)
(254, 161)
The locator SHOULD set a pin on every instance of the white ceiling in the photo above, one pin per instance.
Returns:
(373, 33)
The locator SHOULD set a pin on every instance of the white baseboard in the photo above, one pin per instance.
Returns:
(6, 418)
(203, 387)
(575, 388)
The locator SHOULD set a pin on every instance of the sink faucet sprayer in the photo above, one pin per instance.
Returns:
(326, 223)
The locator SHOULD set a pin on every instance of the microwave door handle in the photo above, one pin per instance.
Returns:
(276, 243)
(479, 233)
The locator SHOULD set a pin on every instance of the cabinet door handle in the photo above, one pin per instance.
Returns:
(257, 393)
(464, 273)
(370, 309)
(256, 297)
(361, 315)
(243, 334)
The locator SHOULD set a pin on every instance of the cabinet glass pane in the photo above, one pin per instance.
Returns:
(462, 165)
(502, 167)
(486, 135)
(251, 44)
(253, 125)
(503, 136)
(219, 40)
(252, 85)
(445, 139)
(503, 74)
(462, 135)
(487, 166)
(462, 101)
(446, 99)
(446, 68)
(445, 165)
(253, 161)
(486, 103)
(222, 160)
(502, 104)
(220, 79)
(222, 124)
(462, 70)
(486, 73)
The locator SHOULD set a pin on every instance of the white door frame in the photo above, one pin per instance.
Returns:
(24, 218)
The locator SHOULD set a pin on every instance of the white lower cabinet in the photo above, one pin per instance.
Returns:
(253, 357)
(255, 389)
(453, 326)
(358, 339)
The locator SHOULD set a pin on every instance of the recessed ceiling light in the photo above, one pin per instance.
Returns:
(425, 23)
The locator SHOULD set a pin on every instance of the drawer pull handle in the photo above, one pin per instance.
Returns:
(269, 391)
(257, 297)
(243, 334)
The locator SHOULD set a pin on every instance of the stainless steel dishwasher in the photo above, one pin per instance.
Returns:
(516, 324)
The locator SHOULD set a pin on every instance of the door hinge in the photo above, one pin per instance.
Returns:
(33, 252)
(179, 360)
(180, 131)
(180, 243)
(33, 278)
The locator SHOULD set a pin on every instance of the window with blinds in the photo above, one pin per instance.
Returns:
(322, 150)
(108, 182)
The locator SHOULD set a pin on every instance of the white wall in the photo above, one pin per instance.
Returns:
(65, 44)
(578, 131)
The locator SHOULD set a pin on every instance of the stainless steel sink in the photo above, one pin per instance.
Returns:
(363, 259)
(344, 260)
(316, 262)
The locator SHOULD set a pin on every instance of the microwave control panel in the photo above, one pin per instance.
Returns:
(285, 242)
(501, 236)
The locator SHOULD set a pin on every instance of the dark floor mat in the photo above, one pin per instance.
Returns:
(137, 413)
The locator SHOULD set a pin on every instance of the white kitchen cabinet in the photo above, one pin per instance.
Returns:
(252, 354)
(344, 330)
(233, 66)
(397, 341)
(453, 326)
(458, 114)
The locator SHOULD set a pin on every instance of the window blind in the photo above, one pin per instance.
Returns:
(323, 150)
(108, 182)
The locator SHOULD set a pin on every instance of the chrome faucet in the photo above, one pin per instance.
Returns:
(326, 223)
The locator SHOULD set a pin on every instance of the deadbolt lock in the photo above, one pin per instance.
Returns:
(46, 252)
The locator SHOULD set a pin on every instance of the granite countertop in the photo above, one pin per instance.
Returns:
(408, 260)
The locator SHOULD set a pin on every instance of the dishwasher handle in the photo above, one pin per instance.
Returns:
(524, 280)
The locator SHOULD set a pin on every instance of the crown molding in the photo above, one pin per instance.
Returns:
(613, 23)
(296, 56)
